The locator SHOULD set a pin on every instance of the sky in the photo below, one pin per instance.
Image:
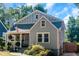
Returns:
(60, 10)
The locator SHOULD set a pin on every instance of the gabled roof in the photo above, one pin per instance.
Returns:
(33, 20)
(43, 17)
(58, 24)
(2, 28)
(26, 23)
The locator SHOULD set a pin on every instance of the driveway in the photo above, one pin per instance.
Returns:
(69, 54)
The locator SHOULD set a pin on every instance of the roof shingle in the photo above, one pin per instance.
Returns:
(58, 24)
(22, 26)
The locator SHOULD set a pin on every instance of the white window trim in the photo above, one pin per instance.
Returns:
(41, 24)
(38, 16)
(43, 37)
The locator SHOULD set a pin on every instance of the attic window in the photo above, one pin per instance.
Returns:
(36, 16)
(43, 23)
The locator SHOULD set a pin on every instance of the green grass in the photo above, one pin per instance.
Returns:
(5, 53)
(66, 40)
(77, 43)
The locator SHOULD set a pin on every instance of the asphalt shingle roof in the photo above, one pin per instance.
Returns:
(22, 26)
(58, 24)
(28, 26)
(56, 21)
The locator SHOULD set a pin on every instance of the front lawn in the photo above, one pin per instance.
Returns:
(5, 53)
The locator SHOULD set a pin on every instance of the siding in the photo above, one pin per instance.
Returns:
(61, 37)
(48, 28)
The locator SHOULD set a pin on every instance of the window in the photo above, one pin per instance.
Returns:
(36, 16)
(46, 38)
(39, 37)
(43, 23)
(43, 37)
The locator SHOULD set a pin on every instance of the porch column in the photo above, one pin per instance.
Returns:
(14, 43)
(6, 40)
(20, 40)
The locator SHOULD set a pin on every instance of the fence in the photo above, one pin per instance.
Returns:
(70, 47)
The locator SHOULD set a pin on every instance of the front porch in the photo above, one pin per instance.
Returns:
(17, 40)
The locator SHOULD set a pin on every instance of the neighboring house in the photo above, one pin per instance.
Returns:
(3, 28)
(10, 21)
(38, 28)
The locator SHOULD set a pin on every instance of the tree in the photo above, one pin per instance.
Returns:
(77, 29)
(40, 7)
(77, 4)
(2, 12)
(25, 10)
(71, 29)
(14, 14)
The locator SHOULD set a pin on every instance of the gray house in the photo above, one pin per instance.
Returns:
(38, 28)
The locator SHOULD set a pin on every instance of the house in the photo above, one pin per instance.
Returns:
(38, 28)
(3, 28)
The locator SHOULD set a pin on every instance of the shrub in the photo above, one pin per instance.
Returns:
(43, 53)
(2, 43)
(36, 50)
(17, 44)
(9, 46)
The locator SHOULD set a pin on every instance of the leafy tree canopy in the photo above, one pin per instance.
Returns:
(14, 14)
(73, 29)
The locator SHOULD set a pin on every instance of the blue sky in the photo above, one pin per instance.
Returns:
(60, 10)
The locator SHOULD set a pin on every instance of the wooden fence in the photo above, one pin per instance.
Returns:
(69, 47)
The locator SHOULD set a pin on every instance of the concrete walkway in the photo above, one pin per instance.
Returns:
(69, 54)
(18, 54)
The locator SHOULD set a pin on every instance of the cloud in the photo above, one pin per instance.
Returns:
(69, 4)
(75, 12)
(66, 20)
(65, 9)
(49, 5)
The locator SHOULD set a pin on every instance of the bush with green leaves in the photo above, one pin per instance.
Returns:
(9, 45)
(2, 43)
(36, 50)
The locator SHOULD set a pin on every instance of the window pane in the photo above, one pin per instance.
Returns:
(39, 37)
(46, 38)
(45, 35)
(43, 23)
(36, 16)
